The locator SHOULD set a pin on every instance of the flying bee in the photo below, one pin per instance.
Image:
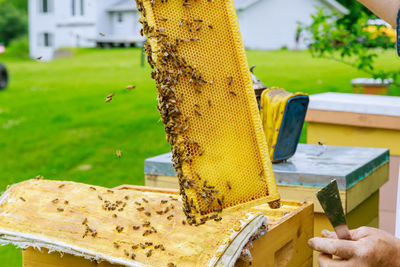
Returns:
(101, 34)
(108, 99)
(162, 19)
(39, 58)
(118, 153)
(228, 184)
(23, 199)
(130, 87)
(232, 92)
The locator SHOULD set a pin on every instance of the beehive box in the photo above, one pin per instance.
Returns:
(54, 216)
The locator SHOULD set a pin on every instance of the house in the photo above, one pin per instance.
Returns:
(272, 24)
(265, 24)
(81, 23)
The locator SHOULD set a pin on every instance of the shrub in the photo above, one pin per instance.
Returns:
(13, 23)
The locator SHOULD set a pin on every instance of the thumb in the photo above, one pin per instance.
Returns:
(341, 248)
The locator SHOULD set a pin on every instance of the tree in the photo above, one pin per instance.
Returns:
(13, 23)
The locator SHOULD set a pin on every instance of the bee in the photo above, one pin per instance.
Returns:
(209, 102)
(198, 112)
(136, 227)
(145, 200)
(170, 217)
(135, 246)
(147, 213)
(126, 197)
(66, 202)
(119, 228)
(183, 222)
(199, 27)
(84, 221)
(99, 197)
(163, 201)
(230, 80)
(232, 92)
(116, 245)
(195, 39)
(228, 184)
(171, 264)
(148, 254)
(159, 212)
(201, 153)
(180, 23)
(108, 99)
(55, 201)
(153, 2)
(210, 26)
(130, 87)
(142, 246)
(190, 27)
(38, 177)
(101, 34)
(126, 253)
(92, 188)
(110, 191)
(146, 224)
(320, 143)
(148, 244)
(213, 216)
(133, 256)
(39, 58)
(140, 209)
(23, 199)
(197, 105)
(60, 209)
(147, 232)
(118, 153)
(61, 185)
(138, 203)
(94, 233)
(218, 219)
(188, 5)
(114, 215)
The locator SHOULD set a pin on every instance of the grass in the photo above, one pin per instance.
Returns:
(54, 122)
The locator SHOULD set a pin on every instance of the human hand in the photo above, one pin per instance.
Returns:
(368, 247)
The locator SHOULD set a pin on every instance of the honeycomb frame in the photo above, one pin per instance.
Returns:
(207, 103)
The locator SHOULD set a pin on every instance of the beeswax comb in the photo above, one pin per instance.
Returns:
(207, 103)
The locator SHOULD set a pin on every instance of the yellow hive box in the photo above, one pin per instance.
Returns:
(54, 216)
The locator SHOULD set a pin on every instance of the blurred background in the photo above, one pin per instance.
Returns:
(63, 58)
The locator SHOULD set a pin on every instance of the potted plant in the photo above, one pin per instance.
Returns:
(354, 42)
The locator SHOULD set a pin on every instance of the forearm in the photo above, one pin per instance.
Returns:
(385, 9)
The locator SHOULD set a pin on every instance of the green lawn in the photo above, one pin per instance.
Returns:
(54, 122)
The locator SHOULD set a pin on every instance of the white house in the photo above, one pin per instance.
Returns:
(81, 23)
(264, 24)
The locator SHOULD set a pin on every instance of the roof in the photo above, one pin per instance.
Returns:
(243, 4)
(123, 5)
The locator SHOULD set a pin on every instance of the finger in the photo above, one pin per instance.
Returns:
(328, 234)
(325, 260)
(361, 232)
(341, 248)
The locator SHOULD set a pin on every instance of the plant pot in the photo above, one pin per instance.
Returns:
(371, 86)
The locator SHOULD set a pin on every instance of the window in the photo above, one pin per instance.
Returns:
(82, 7)
(119, 17)
(46, 39)
(45, 6)
(73, 8)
